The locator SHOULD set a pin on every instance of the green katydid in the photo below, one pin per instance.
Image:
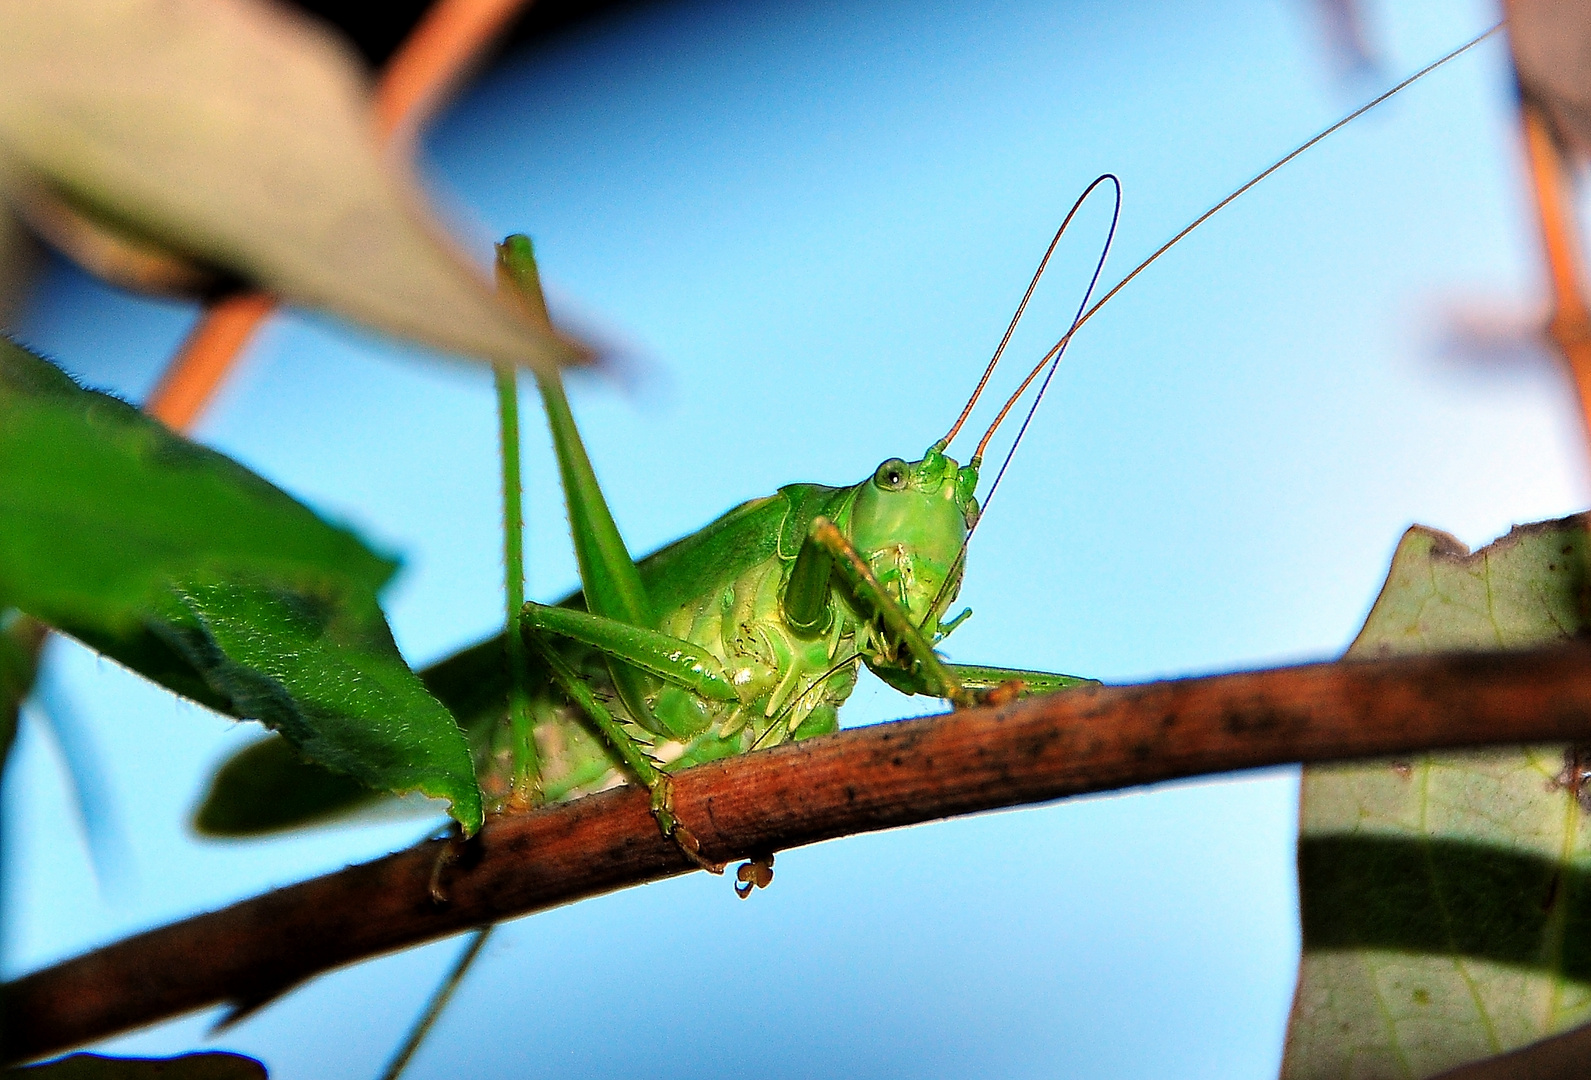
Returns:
(748, 632)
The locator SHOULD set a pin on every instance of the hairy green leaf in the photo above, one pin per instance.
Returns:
(241, 135)
(101, 507)
(195, 572)
(1446, 898)
(270, 787)
(335, 685)
(213, 1065)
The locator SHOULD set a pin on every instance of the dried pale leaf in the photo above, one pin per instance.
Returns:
(1446, 899)
(238, 134)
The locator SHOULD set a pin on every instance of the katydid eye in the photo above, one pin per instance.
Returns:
(891, 475)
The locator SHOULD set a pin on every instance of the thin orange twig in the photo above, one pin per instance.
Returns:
(436, 55)
(1570, 327)
(438, 52)
(190, 381)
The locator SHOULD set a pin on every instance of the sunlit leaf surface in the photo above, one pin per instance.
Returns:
(239, 135)
(1446, 898)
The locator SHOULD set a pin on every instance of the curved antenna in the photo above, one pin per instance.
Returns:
(1060, 346)
(1052, 358)
(1020, 308)
(1099, 268)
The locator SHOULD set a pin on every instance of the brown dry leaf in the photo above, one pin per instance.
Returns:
(1551, 40)
(239, 136)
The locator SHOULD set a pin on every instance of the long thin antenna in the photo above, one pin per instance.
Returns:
(1057, 353)
(1052, 358)
(977, 457)
(1060, 346)
(1020, 308)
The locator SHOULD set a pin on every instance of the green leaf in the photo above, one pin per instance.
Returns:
(241, 135)
(193, 571)
(269, 787)
(101, 507)
(335, 685)
(1446, 898)
(206, 1066)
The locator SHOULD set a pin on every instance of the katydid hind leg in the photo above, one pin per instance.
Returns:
(608, 576)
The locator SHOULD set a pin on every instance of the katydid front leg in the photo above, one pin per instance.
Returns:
(960, 684)
(981, 679)
(941, 681)
(630, 752)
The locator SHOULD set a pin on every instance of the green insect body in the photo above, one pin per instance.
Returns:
(725, 604)
(745, 634)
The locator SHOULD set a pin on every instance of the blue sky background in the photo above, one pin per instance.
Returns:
(804, 225)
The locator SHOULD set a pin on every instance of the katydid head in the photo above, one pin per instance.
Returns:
(909, 522)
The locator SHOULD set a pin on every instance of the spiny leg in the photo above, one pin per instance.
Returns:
(633, 756)
(942, 681)
(439, 1000)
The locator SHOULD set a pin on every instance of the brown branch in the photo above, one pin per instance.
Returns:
(1089, 740)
